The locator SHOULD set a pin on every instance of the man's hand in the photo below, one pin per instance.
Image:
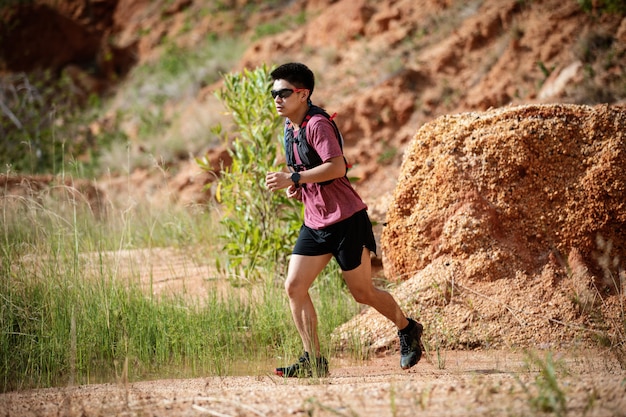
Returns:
(293, 192)
(278, 180)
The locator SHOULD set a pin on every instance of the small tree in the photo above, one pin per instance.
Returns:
(260, 226)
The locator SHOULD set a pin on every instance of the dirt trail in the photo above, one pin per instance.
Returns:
(485, 383)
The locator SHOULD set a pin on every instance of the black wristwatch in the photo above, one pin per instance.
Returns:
(295, 177)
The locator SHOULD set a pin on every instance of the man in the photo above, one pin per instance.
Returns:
(336, 223)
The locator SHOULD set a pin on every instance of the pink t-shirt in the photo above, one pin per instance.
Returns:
(328, 204)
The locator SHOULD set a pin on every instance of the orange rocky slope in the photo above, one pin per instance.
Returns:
(509, 228)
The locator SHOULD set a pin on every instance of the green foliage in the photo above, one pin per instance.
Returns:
(180, 72)
(55, 326)
(260, 226)
(603, 6)
(44, 120)
(280, 25)
(388, 155)
(39, 123)
(544, 70)
(600, 54)
(68, 314)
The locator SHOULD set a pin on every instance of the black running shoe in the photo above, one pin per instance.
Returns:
(304, 368)
(410, 344)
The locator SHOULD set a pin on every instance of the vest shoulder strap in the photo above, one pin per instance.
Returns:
(307, 154)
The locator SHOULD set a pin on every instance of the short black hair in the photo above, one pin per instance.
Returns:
(297, 74)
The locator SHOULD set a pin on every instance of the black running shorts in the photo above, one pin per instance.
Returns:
(345, 240)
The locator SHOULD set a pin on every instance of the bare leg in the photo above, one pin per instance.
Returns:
(302, 272)
(360, 283)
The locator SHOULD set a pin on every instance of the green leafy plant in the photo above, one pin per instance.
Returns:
(259, 226)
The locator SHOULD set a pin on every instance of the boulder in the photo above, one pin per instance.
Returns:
(512, 188)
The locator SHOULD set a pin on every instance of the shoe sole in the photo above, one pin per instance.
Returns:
(282, 374)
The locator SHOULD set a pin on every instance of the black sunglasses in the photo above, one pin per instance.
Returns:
(285, 92)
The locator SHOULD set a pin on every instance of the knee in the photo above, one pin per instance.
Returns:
(293, 288)
(362, 296)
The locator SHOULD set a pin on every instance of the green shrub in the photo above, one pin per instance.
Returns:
(260, 226)
(36, 114)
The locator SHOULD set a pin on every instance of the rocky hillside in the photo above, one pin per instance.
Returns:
(399, 64)
(386, 67)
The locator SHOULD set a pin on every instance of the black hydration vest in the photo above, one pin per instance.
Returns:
(307, 154)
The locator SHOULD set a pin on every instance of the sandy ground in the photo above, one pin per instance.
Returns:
(484, 383)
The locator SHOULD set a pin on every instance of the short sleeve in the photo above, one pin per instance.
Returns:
(321, 135)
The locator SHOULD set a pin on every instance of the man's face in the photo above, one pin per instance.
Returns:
(288, 99)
